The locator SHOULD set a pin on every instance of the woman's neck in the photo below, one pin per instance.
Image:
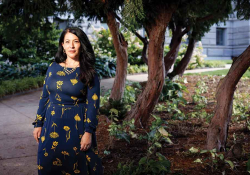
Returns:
(71, 62)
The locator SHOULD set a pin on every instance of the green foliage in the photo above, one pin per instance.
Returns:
(172, 94)
(214, 160)
(201, 114)
(29, 47)
(129, 98)
(9, 71)
(197, 59)
(123, 130)
(214, 63)
(160, 165)
(242, 9)
(102, 42)
(198, 98)
(132, 13)
(157, 134)
(172, 108)
(248, 166)
(18, 85)
(103, 45)
(105, 66)
(172, 90)
(241, 106)
(26, 32)
(153, 162)
(135, 47)
(132, 69)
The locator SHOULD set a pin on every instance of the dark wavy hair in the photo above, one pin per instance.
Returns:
(86, 57)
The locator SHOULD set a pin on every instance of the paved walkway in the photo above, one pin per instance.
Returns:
(17, 146)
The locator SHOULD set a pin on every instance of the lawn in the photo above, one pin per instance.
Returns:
(224, 61)
(219, 73)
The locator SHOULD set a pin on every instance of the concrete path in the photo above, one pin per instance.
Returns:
(144, 77)
(17, 146)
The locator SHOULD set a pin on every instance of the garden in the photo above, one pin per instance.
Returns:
(28, 73)
(174, 123)
(175, 140)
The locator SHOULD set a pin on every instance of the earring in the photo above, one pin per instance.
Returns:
(64, 51)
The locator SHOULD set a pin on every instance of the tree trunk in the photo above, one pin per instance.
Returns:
(147, 100)
(122, 58)
(182, 65)
(144, 51)
(218, 128)
(171, 56)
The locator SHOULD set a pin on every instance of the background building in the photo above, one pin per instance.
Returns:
(224, 40)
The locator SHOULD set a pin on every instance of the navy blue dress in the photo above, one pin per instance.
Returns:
(67, 109)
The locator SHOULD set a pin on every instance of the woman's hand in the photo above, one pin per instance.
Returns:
(37, 133)
(86, 141)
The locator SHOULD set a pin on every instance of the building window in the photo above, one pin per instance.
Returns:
(220, 36)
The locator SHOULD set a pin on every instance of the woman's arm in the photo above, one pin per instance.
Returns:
(91, 114)
(93, 100)
(43, 103)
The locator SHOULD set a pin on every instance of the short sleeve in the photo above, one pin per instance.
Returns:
(92, 110)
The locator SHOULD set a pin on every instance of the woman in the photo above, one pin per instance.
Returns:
(66, 119)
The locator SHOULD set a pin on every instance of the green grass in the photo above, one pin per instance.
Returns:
(219, 73)
(216, 63)
(224, 61)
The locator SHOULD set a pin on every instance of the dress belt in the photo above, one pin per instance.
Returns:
(68, 105)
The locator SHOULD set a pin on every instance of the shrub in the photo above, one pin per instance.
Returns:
(154, 162)
(214, 63)
(129, 98)
(103, 45)
(160, 165)
(171, 90)
(132, 69)
(8, 71)
(197, 60)
(18, 85)
(105, 66)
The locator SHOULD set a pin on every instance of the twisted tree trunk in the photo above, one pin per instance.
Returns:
(218, 128)
(149, 97)
(121, 47)
(144, 51)
(175, 44)
(182, 65)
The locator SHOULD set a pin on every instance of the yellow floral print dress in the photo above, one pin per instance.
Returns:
(67, 109)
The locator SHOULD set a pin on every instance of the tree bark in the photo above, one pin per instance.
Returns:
(143, 39)
(147, 100)
(182, 65)
(122, 58)
(218, 128)
(175, 43)
(144, 51)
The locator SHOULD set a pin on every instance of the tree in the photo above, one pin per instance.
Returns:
(195, 19)
(218, 128)
(181, 17)
(157, 16)
(26, 31)
(106, 11)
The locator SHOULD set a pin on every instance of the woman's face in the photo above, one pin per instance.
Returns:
(71, 45)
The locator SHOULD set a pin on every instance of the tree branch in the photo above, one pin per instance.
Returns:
(211, 16)
(144, 40)
(185, 31)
